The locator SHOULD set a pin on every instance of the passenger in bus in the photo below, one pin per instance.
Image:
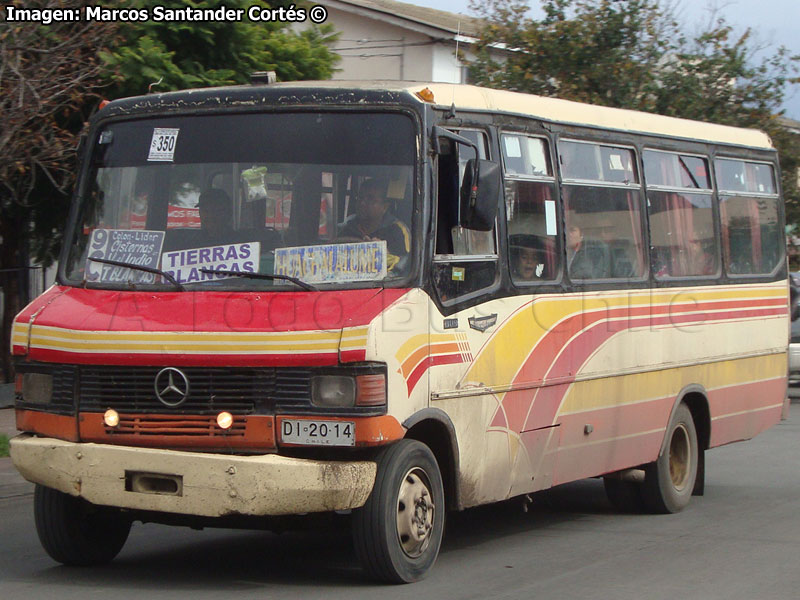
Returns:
(699, 262)
(585, 259)
(216, 215)
(691, 259)
(375, 221)
(527, 258)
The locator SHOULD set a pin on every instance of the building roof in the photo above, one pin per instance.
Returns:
(438, 19)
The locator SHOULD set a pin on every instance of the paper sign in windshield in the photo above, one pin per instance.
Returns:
(162, 146)
(362, 261)
(131, 246)
(186, 265)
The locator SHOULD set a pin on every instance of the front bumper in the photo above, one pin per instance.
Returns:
(211, 485)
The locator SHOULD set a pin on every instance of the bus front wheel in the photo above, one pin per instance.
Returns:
(669, 481)
(74, 532)
(398, 532)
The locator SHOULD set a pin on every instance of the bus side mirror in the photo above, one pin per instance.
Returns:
(479, 192)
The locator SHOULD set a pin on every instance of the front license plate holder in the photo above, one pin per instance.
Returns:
(318, 432)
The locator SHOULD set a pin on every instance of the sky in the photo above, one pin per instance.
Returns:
(774, 22)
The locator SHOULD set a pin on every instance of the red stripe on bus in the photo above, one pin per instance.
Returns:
(431, 361)
(560, 362)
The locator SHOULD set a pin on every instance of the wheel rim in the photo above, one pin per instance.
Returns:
(415, 512)
(679, 457)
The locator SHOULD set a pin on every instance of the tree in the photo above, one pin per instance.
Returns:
(48, 76)
(634, 54)
(189, 54)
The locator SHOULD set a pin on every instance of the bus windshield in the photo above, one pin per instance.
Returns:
(231, 200)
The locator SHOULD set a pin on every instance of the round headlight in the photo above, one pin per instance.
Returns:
(111, 418)
(225, 420)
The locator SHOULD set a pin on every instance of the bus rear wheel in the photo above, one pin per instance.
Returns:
(398, 532)
(76, 533)
(669, 481)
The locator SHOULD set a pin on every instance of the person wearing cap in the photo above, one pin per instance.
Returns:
(375, 221)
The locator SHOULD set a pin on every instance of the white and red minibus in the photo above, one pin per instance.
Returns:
(394, 300)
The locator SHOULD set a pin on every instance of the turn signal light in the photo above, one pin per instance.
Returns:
(425, 94)
(371, 390)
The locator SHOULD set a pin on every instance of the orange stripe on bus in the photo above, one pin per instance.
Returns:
(64, 427)
(418, 355)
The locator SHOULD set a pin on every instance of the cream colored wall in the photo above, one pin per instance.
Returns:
(372, 49)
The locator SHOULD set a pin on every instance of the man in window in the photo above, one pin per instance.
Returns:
(375, 221)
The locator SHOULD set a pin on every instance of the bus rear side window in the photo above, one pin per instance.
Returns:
(681, 217)
(750, 217)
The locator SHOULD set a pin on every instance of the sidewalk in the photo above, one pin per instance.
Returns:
(11, 483)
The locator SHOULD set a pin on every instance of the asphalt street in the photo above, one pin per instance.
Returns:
(739, 541)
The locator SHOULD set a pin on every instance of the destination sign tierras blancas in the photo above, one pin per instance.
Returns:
(186, 265)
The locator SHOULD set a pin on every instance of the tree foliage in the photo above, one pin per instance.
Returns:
(200, 54)
(635, 54)
(48, 74)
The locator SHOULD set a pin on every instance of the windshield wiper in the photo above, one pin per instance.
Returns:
(119, 263)
(248, 275)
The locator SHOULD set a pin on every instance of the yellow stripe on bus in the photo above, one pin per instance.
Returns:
(615, 390)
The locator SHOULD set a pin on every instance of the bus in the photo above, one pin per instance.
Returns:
(394, 300)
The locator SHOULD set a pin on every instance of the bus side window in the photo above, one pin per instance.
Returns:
(466, 260)
(530, 209)
(751, 234)
(602, 211)
(679, 204)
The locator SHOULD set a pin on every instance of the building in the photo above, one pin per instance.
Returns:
(389, 40)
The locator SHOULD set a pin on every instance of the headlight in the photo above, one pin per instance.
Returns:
(333, 391)
(37, 388)
(346, 391)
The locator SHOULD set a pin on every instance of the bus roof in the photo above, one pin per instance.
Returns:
(464, 97)
(576, 113)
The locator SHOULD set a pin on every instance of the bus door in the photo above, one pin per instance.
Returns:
(465, 272)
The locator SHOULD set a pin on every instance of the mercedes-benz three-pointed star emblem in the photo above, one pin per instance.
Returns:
(172, 387)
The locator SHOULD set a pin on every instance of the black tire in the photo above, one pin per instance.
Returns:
(394, 544)
(76, 533)
(670, 480)
(625, 496)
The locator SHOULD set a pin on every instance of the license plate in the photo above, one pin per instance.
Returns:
(318, 433)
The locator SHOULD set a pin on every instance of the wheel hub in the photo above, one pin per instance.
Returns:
(415, 512)
(679, 457)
